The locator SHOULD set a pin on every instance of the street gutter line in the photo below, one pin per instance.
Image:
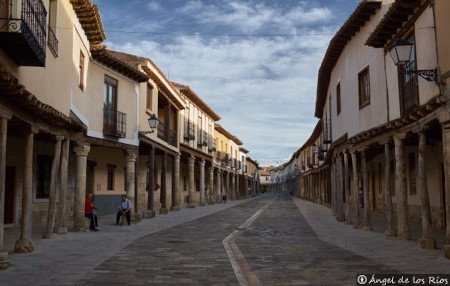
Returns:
(241, 268)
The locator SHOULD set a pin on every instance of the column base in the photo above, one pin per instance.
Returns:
(163, 211)
(135, 217)
(4, 262)
(79, 229)
(427, 243)
(50, 236)
(366, 228)
(174, 209)
(390, 232)
(23, 246)
(191, 206)
(148, 214)
(447, 251)
(340, 217)
(61, 230)
(404, 236)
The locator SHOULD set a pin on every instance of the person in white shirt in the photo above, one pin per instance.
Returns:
(124, 209)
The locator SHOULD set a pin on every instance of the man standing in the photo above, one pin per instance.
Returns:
(89, 208)
(124, 209)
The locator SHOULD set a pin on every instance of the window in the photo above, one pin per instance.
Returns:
(109, 105)
(412, 174)
(81, 67)
(364, 88)
(44, 166)
(408, 83)
(338, 99)
(380, 184)
(110, 177)
(149, 97)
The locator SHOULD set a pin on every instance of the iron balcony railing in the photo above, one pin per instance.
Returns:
(212, 144)
(204, 138)
(162, 131)
(172, 140)
(114, 123)
(27, 49)
(189, 131)
(245, 169)
(52, 41)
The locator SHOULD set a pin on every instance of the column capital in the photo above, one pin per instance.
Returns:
(384, 141)
(399, 136)
(59, 137)
(82, 149)
(5, 113)
(177, 156)
(202, 163)
(131, 157)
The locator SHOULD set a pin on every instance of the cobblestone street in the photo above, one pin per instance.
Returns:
(281, 246)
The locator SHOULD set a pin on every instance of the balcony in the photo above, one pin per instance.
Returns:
(202, 139)
(189, 131)
(245, 169)
(239, 165)
(212, 144)
(162, 131)
(172, 140)
(52, 41)
(23, 33)
(114, 123)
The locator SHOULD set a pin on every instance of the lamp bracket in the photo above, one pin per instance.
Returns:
(429, 75)
(146, 132)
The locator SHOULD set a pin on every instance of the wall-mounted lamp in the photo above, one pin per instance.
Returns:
(153, 122)
(401, 54)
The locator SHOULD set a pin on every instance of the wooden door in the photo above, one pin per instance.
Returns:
(10, 188)
(444, 202)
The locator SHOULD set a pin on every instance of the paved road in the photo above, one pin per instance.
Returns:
(280, 248)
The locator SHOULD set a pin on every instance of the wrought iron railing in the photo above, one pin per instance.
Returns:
(31, 23)
(172, 140)
(162, 131)
(212, 144)
(114, 123)
(200, 137)
(204, 138)
(52, 41)
(408, 87)
(189, 131)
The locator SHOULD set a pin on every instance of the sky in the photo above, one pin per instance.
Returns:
(255, 62)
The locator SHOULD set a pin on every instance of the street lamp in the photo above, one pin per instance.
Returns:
(401, 53)
(153, 122)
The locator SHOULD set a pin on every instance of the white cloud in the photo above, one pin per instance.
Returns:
(154, 6)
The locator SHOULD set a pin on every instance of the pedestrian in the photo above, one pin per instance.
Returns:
(124, 209)
(89, 212)
(207, 194)
(361, 198)
(224, 198)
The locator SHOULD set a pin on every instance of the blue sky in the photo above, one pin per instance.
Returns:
(254, 62)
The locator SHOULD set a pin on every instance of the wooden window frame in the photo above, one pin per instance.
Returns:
(364, 88)
(149, 97)
(81, 68)
(338, 99)
(43, 184)
(109, 180)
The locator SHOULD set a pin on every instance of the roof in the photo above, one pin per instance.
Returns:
(89, 17)
(253, 161)
(243, 150)
(398, 13)
(314, 135)
(156, 75)
(357, 19)
(189, 93)
(227, 134)
(108, 58)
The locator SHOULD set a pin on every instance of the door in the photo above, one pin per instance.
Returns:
(90, 178)
(444, 202)
(10, 188)
(109, 105)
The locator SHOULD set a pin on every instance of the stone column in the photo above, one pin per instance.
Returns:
(238, 191)
(130, 177)
(202, 182)
(340, 188)
(391, 228)
(24, 244)
(50, 232)
(333, 188)
(227, 186)
(163, 196)
(62, 224)
(446, 153)
(150, 212)
(357, 222)
(211, 195)
(246, 186)
(348, 213)
(367, 226)
(191, 163)
(4, 261)
(218, 192)
(81, 151)
(427, 240)
(233, 187)
(400, 188)
(176, 195)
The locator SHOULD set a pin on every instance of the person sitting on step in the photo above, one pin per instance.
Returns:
(124, 209)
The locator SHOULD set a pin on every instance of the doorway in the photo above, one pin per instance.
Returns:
(444, 202)
(90, 178)
(10, 192)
